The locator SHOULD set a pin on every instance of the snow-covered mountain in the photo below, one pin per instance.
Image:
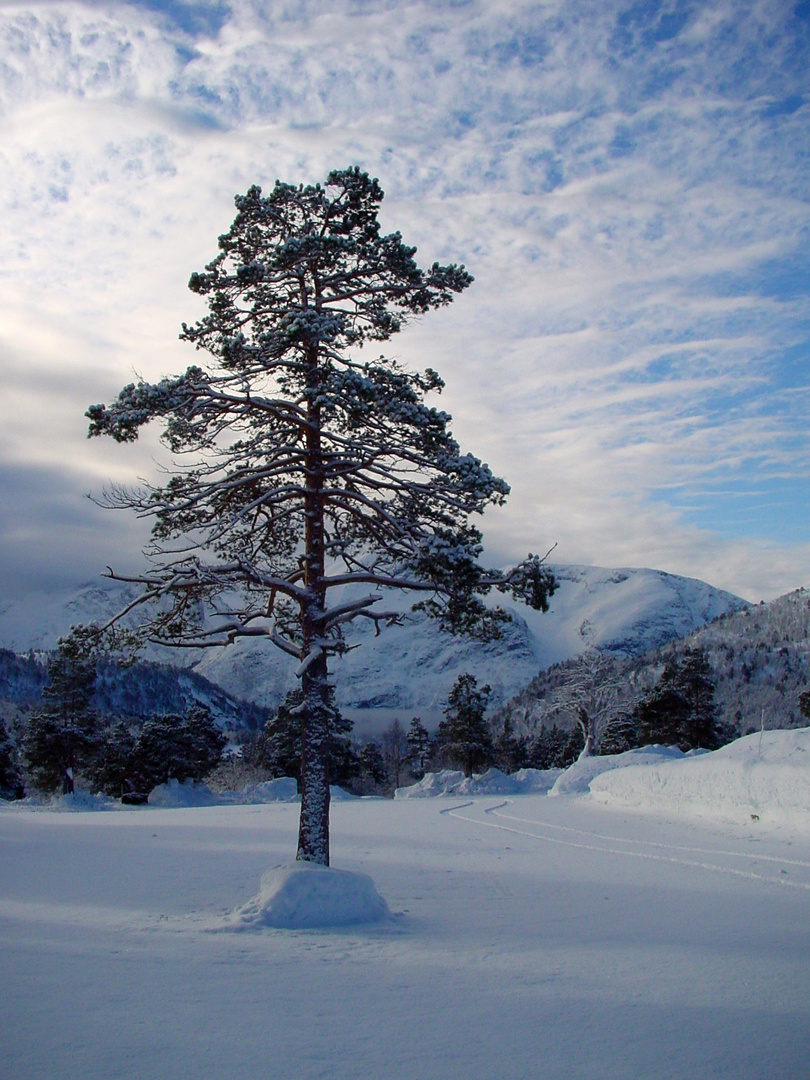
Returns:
(408, 670)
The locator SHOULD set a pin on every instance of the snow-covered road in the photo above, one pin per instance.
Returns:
(532, 937)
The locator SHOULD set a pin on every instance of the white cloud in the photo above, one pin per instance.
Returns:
(618, 180)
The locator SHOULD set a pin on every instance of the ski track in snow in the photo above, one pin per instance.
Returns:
(602, 848)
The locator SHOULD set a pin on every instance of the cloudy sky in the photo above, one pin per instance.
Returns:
(628, 183)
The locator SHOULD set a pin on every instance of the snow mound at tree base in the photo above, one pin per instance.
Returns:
(306, 896)
(762, 777)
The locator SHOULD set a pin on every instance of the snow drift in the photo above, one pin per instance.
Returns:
(762, 777)
(493, 782)
(576, 780)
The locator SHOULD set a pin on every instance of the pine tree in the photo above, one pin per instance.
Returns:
(11, 785)
(172, 747)
(372, 764)
(420, 747)
(555, 748)
(113, 769)
(620, 735)
(315, 470)
(510, 753)
(464, 734)
(279, 745)
(680, 710)
(394, 744)
(61, 737)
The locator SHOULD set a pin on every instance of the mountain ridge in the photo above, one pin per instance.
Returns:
(409, 670)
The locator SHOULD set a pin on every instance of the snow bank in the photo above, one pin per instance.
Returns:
(576, 779)
(493, 782)
(305, 896)
(80, 800)
(339, 794)
(282, 789)
(174, 794)
(432, 784)
(763, 777)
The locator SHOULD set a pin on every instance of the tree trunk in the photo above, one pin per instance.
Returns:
(585, 726)
(316, 709)
(313, 829)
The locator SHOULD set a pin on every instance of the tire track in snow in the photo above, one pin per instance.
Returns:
(647, 843)
(730, 871)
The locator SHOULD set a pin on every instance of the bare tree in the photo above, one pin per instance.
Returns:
(394, 744)
(301, 471)
(594, 689)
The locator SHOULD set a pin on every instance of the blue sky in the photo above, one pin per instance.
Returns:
(628, 183)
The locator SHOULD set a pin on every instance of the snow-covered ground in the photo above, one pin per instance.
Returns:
(526, 936)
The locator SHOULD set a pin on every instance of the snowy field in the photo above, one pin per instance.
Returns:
(529, 937)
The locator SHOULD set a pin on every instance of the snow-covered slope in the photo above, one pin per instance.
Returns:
(759, 657)
(409, 670)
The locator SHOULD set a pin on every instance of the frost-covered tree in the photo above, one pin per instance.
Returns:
(593, 690)
(464, 734)
(303, 471)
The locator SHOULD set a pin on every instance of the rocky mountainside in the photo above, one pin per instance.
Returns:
(408, 670)
(759, 656)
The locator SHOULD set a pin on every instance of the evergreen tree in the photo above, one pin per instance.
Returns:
(555, 748)
(464, 734)
(61, 737)
(804, 704)
(420, 748)
(620, 735)
(510, 753)
(315, 469)
(547, 748)
(113, 769)
(171, 747)
(279, 745)
(372, 765)
(11, 785)
(680, 710)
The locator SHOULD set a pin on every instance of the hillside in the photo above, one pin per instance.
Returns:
(134, 692)
(759, 655)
